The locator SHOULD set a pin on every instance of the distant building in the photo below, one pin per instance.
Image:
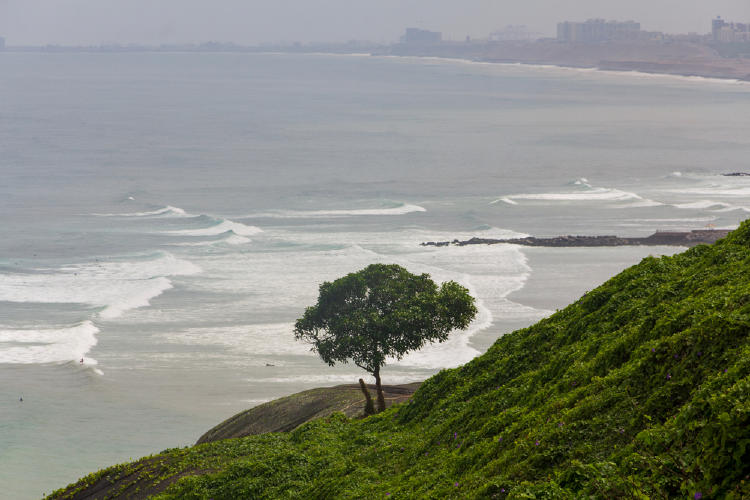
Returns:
(416, 35)
(513, 33)
(716, 26)
(724, 32)
(598, 30)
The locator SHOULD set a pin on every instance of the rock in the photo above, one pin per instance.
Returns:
(288, 413)
(660, 238)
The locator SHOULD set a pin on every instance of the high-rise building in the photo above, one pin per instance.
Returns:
(416, 35)
(513, 33)
(716, 26)
(724, 32)
(597, 30)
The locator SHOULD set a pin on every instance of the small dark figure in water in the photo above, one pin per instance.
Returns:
(81, 360)
(20, 400)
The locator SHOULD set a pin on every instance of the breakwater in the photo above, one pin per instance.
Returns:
(659, 238)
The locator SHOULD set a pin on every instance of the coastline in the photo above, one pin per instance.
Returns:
(687, 61)
(696, 62)
(581, 69)
(637, 73)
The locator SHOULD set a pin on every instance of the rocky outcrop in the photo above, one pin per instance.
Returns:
(288, 413)
(659, 238)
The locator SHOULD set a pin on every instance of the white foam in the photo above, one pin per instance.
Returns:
(115, 286)
(312, 214)
(271, 339)
(581, 192)
(713, 206)
(595, 194)
(733, 208)
(221, 227)
(504, 199)
(715, 190)
(55, 345)
(643, 203)
(138, 297)
(228, 238)
(703, 204)
(676, 220)
(165, 211)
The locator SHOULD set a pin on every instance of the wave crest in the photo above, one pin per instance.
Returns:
(220, 226)
(48, 346)
(168, 210)
(582, 192)
(114, 286)
(402, 209)
(227, 238)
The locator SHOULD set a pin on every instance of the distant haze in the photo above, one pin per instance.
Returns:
(83, 22)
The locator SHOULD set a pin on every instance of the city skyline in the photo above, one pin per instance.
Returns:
(88, 22)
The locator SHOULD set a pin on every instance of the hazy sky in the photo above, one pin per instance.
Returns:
(253, 21)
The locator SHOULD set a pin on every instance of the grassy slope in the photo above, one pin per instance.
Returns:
(641, 389)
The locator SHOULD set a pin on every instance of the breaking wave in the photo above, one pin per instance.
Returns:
(217, 227)
(582, 192)
(227, 238)
(713, 206)
(56, 345)
(402, 209)
(115, 286)
(164, 211)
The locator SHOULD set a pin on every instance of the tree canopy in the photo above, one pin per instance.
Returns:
(379, 312)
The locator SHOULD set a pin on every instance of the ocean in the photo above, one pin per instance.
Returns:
(166, 217)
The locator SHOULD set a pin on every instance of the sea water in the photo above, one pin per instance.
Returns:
(166, 217)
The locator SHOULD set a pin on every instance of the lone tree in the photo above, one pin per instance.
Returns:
(382, 311)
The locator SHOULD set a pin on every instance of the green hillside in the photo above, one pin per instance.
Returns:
(640, 389)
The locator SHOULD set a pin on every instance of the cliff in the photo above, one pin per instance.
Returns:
(640, 389)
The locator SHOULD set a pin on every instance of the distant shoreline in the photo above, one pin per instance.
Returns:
(581, 69)
(693, 61)
(685, 59)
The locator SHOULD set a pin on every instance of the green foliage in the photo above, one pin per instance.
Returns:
(382, 311)
(641, 389)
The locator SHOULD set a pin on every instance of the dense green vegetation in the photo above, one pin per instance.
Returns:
(641, 389)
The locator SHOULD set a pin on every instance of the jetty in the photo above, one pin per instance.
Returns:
(659, 238)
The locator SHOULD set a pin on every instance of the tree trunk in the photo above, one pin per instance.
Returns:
(369, 406)
(381, 398)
